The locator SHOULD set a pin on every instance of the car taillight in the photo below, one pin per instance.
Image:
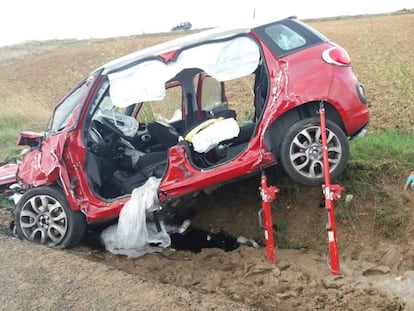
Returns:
(361, 93)
(336, 56)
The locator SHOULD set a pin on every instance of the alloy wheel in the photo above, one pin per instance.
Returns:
(305, 152)
(43, 220)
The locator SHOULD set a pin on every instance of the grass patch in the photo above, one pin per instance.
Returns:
(9, 131)
(390, 150)
(390, 220)
(388, 217)
(4, 203)
(386, 156)
(283, 240)
(345, 212)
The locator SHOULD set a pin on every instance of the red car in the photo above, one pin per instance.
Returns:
(195, 112)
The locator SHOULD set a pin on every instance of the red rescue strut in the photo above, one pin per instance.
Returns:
(332, 193)
(268, 194)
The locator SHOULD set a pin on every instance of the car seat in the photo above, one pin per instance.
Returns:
(164, 133)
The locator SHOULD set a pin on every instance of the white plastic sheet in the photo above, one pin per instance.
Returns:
(211, 136)
(133, 234)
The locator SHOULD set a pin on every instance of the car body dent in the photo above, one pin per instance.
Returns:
(29, 138)
(43, 165)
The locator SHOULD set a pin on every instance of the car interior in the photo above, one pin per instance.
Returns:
(124, 148)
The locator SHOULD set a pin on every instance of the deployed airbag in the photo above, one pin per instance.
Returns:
(211, 136)
(223, 60)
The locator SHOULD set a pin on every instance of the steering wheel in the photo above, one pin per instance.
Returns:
(96, 140)
(122, 125)
(109, 124)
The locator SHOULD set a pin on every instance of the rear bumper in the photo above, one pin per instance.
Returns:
(362, 132)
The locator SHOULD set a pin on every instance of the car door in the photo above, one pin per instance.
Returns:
(44, 164)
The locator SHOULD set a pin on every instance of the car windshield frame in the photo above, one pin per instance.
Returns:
(66, 114)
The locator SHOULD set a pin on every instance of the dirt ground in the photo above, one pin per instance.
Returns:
(376, 273)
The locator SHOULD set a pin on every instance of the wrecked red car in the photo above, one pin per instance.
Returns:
(195, 112)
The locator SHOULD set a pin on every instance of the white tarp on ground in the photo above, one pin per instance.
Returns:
(133, 235)
(225, 60)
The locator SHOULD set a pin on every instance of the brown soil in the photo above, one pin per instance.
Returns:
(376, 273)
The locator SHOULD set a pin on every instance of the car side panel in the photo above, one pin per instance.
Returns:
(343, 96)
(43, 165)
(311, 79)
(182, 177)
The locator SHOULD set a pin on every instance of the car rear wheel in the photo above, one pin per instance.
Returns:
(301, 151)
(43, 216)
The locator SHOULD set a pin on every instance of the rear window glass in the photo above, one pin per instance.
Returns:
(285, 38)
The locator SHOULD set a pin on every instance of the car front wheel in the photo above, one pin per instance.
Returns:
(301, 151)
(43, 216)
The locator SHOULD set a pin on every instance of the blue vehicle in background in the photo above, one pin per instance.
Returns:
(182, 26)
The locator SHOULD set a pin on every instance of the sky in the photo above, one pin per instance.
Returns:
(26, 20)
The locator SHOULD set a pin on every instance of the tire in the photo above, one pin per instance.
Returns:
(301, 151)
(43, 216)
